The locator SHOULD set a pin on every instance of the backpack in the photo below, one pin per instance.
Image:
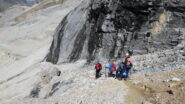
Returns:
(128, 62)
(113, 66)
(129, 66)
(120, 67)
(98, 67)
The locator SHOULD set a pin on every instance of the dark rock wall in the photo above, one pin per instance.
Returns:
(106, 29)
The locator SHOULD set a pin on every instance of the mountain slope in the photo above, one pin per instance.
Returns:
(5, 4)
(90, 30)
(23, 43)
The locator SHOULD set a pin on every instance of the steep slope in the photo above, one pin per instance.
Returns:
(5, 4)
(33, 32)
(40, 6)
(11, 13)
(108, 29)
(23, 45)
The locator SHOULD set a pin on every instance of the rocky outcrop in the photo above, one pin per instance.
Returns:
(104, 29)
(47, 75)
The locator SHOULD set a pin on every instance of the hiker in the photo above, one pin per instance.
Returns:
(118, 69)
(112, 68)
(121, 68)
(98, 68)
(124, 67)
(129, 63)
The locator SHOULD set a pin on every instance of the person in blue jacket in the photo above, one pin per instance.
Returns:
(125, 67)
(111, 67)
(120, 70)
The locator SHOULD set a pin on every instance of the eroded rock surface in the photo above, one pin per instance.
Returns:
(99, 30)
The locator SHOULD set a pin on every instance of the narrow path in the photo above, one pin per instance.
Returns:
(134, 95)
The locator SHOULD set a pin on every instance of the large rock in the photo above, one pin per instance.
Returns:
(104, 29)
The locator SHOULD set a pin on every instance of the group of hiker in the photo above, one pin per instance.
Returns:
(122, 68)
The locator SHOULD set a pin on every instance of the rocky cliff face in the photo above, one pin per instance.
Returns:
(104, 29)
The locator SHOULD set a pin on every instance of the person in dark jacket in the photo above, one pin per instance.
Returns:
(129, 63)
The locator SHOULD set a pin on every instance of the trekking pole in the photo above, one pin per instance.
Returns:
(105, 72)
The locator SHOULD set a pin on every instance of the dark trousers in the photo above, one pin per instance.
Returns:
(121, 74)
(97, 73)
(118, 72)
(110, 74)
(127, 72)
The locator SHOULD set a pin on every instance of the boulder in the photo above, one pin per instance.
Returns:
(175, 79)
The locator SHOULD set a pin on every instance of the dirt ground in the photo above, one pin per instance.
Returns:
(157, 88)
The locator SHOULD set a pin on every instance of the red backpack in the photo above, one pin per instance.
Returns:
(98, 67)
(113, 66)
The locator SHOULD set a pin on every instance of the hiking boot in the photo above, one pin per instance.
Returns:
(127, 79)
(119, 78)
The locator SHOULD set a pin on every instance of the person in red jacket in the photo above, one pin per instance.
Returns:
(98, 68)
